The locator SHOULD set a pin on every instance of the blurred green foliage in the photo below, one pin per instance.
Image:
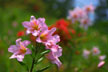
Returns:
(14, 12)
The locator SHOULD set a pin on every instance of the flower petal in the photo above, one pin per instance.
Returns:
(18, 41)
(32, 19)
(26, 42)
(50, 56)
(52, 31)
(38, 40)
(57, 62)
(20, 58)
(35, 33)
(28, 31)
(101, 64)
(12, 48)
(42, 20)
(26, 24)
(28, 51)
(57, 50)
(13, 56)
(56, 38)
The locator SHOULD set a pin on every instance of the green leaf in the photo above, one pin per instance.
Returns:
(45, 52)
(43, 69)
(40, 60)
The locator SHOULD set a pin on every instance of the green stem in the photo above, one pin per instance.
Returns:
(33, 62)
(34, 59)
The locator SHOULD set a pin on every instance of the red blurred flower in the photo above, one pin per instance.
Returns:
(62, 26)
(61, 23)
(20, 33)
(73, 31)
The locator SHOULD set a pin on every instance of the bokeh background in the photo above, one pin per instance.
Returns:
(14, 12)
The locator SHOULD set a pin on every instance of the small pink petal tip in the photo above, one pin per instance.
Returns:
(101, 64)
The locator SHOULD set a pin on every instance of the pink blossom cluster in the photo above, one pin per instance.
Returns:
(95, 51)
(81, 15)
(39, 29)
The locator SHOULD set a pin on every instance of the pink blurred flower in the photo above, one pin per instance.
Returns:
(86, 53)
(89, 8)
(35, 25)
(73, 16)
(85, 23)
(101, 64)
(81, 15)
(102, 57)
(95, 51)
(77, 14)
(19, 50)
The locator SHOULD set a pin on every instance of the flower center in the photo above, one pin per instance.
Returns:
(95, 51)
(75, 15)
(22, 49)
(85, 21)
(43, 37)
(88, 9)
(35, 26)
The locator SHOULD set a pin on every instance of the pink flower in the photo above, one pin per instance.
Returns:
(85, 23)
(81, 13)
(39, 29)
(45, 35)
(95, 51)
(101, 64)
(35, 25)
(86, 53)
(55, 39)
(102, 57)
(56, 50)
(89, 8)
(54, 54)
(73, 16)
(19, 50)
(77, 14)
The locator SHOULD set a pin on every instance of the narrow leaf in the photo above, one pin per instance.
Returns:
(43, 69)
(40, 60)
(45, 52)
